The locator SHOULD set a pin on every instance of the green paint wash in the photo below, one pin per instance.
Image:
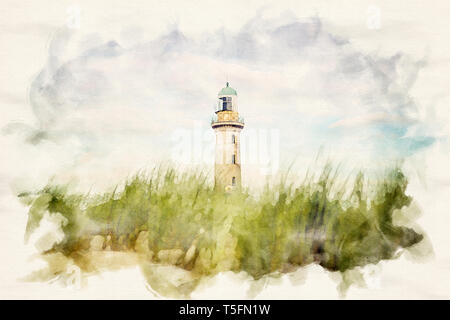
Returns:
(166, 221)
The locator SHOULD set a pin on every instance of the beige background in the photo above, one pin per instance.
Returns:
(415, 27)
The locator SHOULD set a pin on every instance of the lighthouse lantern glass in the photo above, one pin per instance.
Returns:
(226, 103)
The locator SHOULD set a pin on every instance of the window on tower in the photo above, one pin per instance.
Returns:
(233, 159)
(233, 181)
(233, 139)
(226, 103)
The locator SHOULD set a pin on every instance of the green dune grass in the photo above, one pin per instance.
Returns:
(173, 218)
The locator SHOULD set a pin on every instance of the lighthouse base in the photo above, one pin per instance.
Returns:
(227, 177)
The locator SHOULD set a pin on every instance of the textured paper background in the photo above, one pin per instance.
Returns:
(417, 28)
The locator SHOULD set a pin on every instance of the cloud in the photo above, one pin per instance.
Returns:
(292, 74)
(367, 120)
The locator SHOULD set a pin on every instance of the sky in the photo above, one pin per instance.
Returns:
(131, 96)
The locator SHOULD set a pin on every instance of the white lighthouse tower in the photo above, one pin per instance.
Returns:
(227, 124)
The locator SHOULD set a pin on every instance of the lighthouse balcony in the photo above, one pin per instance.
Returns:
(237, 122)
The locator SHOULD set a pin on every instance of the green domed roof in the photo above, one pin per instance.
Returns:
(227, 91)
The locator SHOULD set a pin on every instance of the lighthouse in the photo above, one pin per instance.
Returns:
(227, 125)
